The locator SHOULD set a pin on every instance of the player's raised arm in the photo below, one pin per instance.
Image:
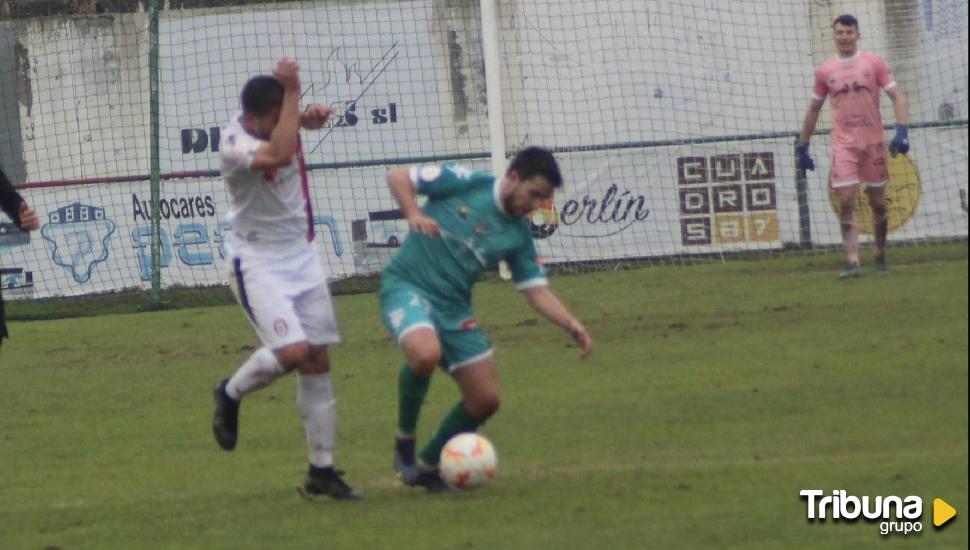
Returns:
(546, 303)
(281, 147)
(315, 116)
(403, 190)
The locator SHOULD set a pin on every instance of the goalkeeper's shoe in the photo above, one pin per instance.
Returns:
(327, 482)
(225, 417)
(431, 480)
(405, 462)
(852, 271)
(881, 268)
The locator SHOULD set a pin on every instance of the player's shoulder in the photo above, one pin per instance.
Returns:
(463, 172)
(450, 172)
(873, 58)
(828, 65)
(234, 129)
(234, 140)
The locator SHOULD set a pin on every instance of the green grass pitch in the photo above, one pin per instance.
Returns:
(716, 392)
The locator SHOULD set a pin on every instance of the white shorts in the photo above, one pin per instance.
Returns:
(286, 299)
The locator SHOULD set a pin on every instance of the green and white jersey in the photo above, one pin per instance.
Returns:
(476, 232)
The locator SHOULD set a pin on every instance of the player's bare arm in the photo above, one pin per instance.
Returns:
(399, 181)
(281, 147)
(315, 116)
(900, 105)
(811, 120)
(548, 305)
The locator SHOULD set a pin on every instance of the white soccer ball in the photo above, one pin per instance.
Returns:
(468, 461)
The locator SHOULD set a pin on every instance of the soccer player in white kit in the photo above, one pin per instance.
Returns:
(277, 275)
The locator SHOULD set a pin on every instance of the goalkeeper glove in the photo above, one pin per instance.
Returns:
(804, 160)
(900, 143)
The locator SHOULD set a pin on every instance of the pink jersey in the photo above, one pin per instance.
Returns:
(854, 84)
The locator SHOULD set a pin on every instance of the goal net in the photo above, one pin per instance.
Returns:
(674, 123)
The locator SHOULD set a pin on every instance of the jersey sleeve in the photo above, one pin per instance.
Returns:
(884, 76)
(447, 180)
(238, 151)
(525, 265)
(821, 88)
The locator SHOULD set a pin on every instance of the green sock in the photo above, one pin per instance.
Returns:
(456, 421)
(411, 390)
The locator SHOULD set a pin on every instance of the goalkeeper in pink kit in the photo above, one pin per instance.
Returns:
(853, 79)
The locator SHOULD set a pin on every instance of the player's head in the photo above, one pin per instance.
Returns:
(262, 101)
(845, 33)
(533, 175)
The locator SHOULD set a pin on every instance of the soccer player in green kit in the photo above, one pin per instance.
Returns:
(471, 221)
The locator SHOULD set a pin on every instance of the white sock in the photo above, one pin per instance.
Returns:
(317, 407)
(259, 371)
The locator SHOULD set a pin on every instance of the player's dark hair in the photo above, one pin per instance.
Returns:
(536, 161)
(846, 20)
(261, 95)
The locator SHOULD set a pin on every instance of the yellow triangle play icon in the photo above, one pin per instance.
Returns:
(942, 512)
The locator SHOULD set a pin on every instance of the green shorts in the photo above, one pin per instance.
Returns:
(405, 307)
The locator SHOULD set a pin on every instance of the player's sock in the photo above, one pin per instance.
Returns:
(850, 242)
(259, 371)
(317, 407)
(458, 420)
(411, 391)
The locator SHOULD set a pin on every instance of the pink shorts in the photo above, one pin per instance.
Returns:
(855, 165)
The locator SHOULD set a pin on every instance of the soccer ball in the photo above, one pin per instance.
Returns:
(468, 461)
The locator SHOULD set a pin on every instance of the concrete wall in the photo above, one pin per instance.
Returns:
(591, 77)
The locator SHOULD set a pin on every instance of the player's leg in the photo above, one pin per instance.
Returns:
(844, 183)
(846, 199)
(315, 394)
(468, 357)
(480, 398)
(880, 226)
(875, 176)
(270, 310)
(260, 370)
(407, 315)
(422, 354)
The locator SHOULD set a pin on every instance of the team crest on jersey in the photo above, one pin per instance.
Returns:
(463, 211)
(480, 229)
(468, 324)
(280, 327)
(430, 173)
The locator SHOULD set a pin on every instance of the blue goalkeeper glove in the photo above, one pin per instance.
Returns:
(900, 143)
(804, 160)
